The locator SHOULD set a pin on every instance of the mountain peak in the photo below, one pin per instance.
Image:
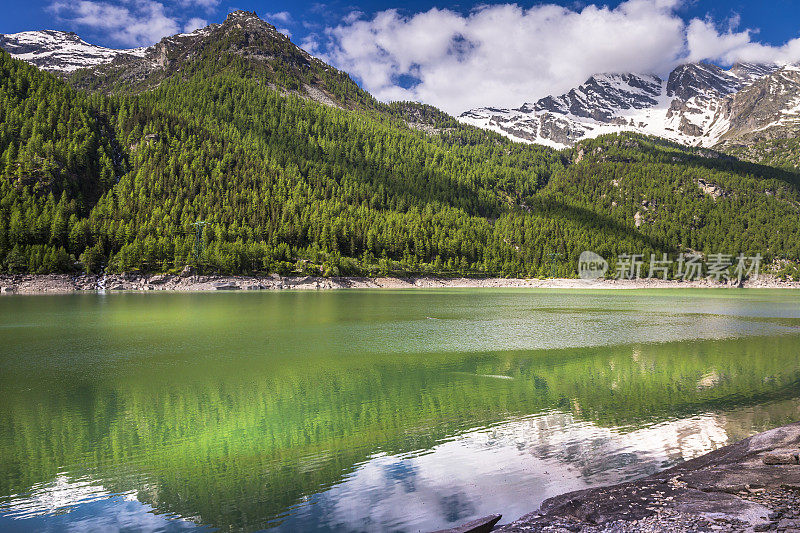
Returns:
(60, 51)
(242, 18)
(601, 94)
(65, 52)
(245, 43)
(693, 106)
(240, 15)
(753, 70)
(695, 79)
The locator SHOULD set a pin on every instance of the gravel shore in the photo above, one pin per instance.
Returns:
(66, 283)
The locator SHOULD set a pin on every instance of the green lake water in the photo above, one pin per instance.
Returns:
(370, 410)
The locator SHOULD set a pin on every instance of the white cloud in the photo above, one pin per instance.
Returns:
(194, 24)
(283, 17)
(136, 23)
(505, 55)
(706, 42)
(352, 17)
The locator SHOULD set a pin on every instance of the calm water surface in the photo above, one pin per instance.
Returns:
(370, 410)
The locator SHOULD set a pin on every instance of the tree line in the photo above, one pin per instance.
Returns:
(283, 184)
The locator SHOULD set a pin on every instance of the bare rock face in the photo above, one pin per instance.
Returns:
(602, 95)
(699, 79)
(698, 105)
(782, 457)
(717, 487)
(767, 109)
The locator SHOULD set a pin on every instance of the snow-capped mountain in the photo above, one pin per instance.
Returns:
(59, 51)
(698, 105)
(243, 35)
(769, 108)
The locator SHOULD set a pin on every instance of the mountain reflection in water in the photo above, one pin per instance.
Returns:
(326, 412)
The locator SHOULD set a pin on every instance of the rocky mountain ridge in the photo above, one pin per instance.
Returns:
(60, 51)
(242, 40)
(699, 104)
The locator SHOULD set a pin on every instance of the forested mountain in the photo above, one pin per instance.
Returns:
(293, 168)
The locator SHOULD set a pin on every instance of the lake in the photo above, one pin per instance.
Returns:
(370, 410)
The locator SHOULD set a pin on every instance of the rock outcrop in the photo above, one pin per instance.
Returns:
(747, 486)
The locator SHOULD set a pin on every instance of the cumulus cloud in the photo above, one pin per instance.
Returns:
(706, 42)
(194, 24)
(505, 55)
(136, 23)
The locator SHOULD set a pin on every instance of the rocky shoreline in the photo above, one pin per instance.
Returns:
(753, 485)
(67, 283)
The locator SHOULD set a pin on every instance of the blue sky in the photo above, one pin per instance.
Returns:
(458, 54)
(777, 20)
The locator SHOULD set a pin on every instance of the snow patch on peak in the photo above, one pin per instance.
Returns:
(753, 71)
(60, 51)
(690, 107)
(199, 32)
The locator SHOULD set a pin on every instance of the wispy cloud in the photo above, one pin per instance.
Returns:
(134, 23)
(352, 17)
(208, 5)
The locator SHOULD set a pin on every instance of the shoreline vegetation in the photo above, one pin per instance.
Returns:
(69, 283)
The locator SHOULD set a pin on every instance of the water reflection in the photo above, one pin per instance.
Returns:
(513, 466)
(82, 505)
(160, 418)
